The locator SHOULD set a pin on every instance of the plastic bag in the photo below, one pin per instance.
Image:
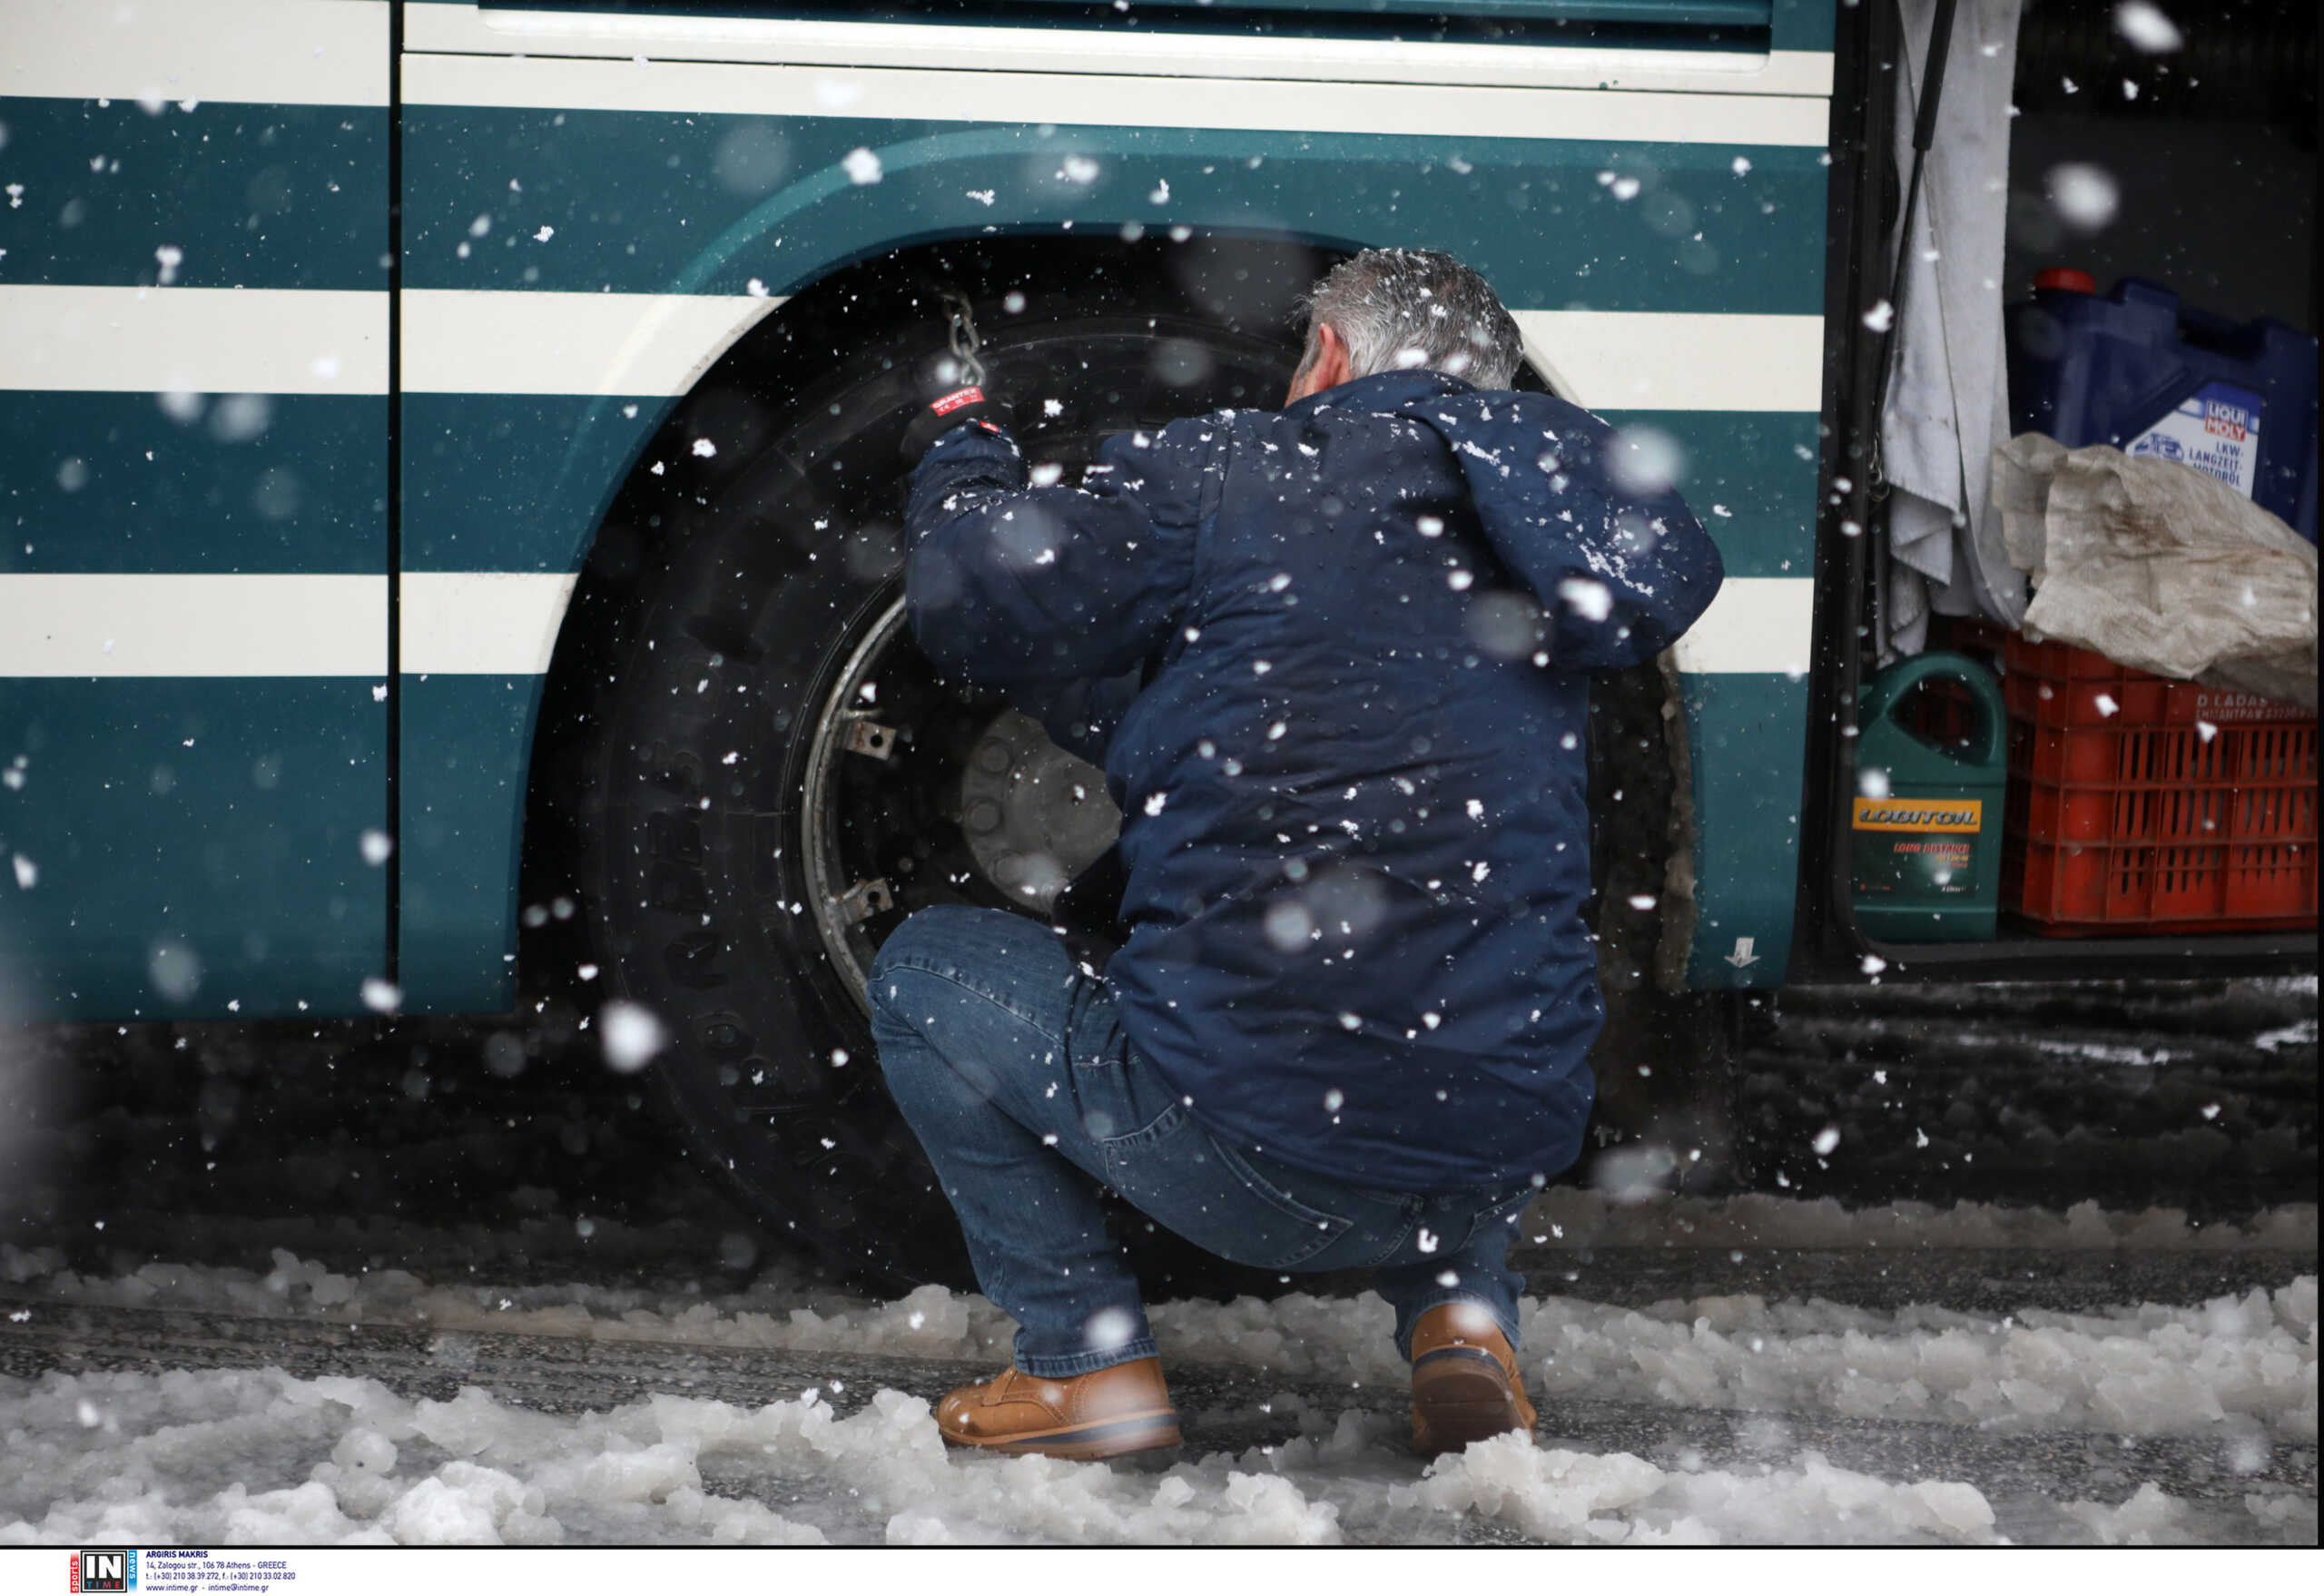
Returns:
(2158, 567)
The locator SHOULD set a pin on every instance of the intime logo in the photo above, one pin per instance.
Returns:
(107, 1567)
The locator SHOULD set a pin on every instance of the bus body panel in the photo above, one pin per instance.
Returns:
(645, 182)
(193, 536)
(584, 240)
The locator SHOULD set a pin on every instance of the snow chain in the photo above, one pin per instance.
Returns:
(964, 338)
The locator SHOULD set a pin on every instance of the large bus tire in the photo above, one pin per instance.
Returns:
(773, 777)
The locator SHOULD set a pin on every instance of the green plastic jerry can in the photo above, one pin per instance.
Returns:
(1926, 824)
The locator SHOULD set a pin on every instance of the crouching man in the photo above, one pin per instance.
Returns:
(1337, 660)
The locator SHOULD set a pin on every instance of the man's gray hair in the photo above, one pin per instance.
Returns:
(1400, 308)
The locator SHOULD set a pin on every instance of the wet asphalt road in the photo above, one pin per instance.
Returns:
(122, 1146)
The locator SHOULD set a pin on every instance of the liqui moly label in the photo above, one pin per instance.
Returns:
(2215, 429)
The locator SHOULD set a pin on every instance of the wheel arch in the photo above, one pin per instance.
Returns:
(627, 465)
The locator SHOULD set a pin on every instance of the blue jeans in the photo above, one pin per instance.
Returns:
(1016, 1075)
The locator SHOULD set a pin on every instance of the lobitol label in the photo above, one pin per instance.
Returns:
(1918, 815)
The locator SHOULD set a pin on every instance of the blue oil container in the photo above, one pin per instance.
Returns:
(2136, 368)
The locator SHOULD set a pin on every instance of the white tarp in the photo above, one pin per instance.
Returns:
(2159, 567)
(1949, 401)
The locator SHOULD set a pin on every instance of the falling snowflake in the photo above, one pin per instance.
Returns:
(1587, 597)
(2147, 30)
(1111, 1328)
(630, 1035)
(2085, 195)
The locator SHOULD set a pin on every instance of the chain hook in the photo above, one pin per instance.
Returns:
(963, 338)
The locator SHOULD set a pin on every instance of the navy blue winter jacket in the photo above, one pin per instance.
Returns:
(1351, 781)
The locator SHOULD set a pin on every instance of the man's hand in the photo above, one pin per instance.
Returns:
(949, 409)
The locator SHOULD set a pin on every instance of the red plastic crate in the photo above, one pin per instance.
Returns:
(2141, 805)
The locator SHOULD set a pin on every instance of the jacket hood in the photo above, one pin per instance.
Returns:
(1620, 569)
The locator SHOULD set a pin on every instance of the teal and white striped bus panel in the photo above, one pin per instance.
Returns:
(598, 205)
(1663, 245)
(194, 585)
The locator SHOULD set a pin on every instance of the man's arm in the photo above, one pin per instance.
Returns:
(1012, 585)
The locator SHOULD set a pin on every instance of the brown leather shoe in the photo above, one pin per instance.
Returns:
(1465, 1381)
(1118, 1409)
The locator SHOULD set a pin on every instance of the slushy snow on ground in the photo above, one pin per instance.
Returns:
(259, 1456)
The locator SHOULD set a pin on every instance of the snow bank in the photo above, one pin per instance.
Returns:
(237, 1457)
(1575, 1497)
(231, 1457)
(2232, 1366)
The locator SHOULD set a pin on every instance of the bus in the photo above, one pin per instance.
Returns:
(452, 474)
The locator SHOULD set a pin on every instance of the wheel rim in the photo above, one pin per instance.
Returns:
(1029, 816)
(840, 728)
